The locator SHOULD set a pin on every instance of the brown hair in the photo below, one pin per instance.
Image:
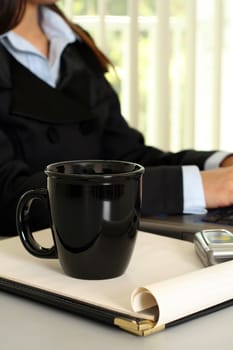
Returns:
(11, 13)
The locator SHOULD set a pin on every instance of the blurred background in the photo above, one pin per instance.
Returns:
(173, 60)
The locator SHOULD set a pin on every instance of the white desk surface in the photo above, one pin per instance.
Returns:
(25, 324)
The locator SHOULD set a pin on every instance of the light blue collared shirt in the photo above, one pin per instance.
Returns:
(59, 35)
(47, 69)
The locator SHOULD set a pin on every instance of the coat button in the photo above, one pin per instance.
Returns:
(53, 135)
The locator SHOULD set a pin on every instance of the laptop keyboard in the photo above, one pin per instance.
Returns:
(223, 216)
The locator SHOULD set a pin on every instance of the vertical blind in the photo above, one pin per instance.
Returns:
(174, 66)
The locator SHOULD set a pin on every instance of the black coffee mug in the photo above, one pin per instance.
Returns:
(94, 209)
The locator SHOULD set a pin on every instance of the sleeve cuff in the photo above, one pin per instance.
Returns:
(193, 193)
(215, 160)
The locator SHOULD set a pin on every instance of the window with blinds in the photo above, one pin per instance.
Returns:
(173, 60)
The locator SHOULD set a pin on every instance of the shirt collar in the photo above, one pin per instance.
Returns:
(53, 26)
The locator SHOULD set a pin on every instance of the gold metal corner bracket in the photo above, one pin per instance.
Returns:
(141, 328)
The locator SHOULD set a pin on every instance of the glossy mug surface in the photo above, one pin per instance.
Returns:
(94, 208)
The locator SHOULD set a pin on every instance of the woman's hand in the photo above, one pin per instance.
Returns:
(218, 185)
(228, 161)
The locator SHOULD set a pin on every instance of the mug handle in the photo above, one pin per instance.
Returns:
(23, 228)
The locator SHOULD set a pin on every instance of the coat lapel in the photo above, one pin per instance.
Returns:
(5, 75)
(34, 99)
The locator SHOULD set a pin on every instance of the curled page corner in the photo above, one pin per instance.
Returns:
(186, 294)
(142, 299)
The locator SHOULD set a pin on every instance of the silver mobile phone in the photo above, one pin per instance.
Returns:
(214, 246)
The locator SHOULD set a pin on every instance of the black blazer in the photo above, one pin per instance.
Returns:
(79, 119)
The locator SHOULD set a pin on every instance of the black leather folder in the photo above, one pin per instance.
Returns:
(148, 298)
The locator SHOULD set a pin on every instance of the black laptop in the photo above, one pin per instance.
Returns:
(184, 226)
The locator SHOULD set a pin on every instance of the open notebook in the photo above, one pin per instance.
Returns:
(165, 284)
